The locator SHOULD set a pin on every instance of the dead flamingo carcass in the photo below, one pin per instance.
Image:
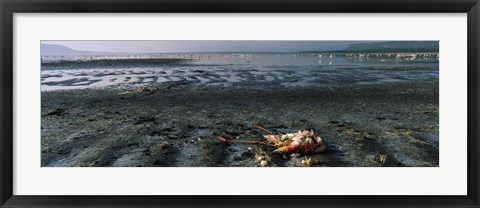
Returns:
(303, 142)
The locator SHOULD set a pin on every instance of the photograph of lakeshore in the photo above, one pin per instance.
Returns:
(224, 103)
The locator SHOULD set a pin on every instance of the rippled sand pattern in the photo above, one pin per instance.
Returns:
(327, 76)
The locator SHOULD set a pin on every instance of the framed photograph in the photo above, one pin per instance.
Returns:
(243, 104)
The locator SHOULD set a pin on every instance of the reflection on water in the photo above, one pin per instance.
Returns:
(266, 58)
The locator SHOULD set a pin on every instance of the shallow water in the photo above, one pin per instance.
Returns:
(291, 70)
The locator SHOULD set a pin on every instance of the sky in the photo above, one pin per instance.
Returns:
(179, 46)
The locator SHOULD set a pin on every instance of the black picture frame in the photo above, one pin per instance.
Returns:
(9, 7)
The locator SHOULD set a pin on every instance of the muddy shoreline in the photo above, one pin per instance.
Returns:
(177, 125)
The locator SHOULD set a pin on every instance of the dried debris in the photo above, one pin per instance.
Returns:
(309, 161)
(262, 158)
(136, 90)
(302, 142)
(382, 158)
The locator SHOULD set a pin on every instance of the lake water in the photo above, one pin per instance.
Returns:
(286, 70)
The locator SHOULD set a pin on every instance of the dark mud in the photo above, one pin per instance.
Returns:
(389, 124)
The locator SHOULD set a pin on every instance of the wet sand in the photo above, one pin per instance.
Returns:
(176, 124)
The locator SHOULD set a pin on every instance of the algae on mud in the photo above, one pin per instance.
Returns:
(389, 124)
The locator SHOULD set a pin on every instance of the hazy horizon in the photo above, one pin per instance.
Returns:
(191, 46)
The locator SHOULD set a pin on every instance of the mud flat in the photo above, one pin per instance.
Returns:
(177, 125)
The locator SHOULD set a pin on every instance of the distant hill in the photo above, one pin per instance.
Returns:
(389, 47)
(59, 50)
(396, 46)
